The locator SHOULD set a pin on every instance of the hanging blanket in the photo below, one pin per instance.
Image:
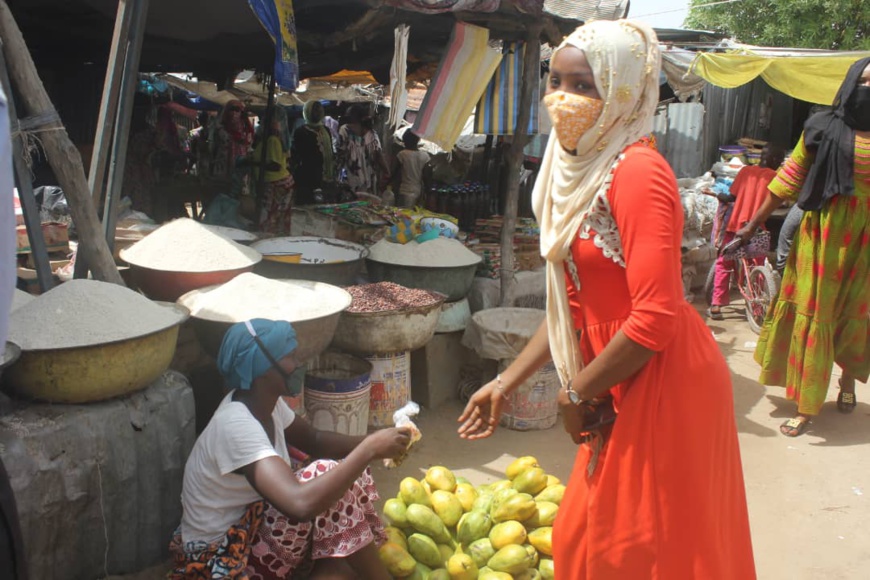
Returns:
(464, 71)
(398, 90)
(499, 106)
(278, 19)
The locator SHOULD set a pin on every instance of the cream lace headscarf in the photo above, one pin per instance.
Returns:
(625, 60)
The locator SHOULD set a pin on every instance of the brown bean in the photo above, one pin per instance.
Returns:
(388, 297)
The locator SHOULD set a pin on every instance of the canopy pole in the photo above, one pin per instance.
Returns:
(25, 191)
(108, 111)
(265, 127)
(531, 70)
(64, 158)
(129, 81)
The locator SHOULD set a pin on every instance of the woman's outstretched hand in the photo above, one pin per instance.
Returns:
(482, 413)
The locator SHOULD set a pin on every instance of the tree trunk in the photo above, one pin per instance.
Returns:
(531, 69)
(64, 158)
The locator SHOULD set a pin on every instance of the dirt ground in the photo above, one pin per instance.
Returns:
(809, 497)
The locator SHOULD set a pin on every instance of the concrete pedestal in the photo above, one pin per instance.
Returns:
(98, 486)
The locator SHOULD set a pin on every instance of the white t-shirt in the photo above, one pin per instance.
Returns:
(412, 163)
(213, 497)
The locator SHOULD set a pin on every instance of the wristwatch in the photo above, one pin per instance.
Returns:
(574, 396)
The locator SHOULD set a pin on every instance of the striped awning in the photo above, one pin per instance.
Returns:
(499, 107)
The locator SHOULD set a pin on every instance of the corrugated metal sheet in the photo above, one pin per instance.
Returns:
(585, 10)
(679, 132)
(754, 110)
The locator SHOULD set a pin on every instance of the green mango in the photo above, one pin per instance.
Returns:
(425, 521)
(425, 550)
(512, 559)
(481, 551)
(473, 526)
(396, 513)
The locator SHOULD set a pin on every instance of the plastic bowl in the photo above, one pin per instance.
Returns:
(445, 228)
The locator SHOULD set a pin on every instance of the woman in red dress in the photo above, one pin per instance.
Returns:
(659, 492)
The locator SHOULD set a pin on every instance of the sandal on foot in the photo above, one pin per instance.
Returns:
(715, 315)
(846, 402)
(794, 427)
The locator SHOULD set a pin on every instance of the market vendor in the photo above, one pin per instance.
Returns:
(312, 160)
(278, 182)
(246, 512)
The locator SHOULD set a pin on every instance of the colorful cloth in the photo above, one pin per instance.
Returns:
(462, 76)
(264, 545)
(357, 159)
(225, 559)
(499, 106)
(278, 19)
(274, 155)
(821, 315)
(666, 496)
(277, 207)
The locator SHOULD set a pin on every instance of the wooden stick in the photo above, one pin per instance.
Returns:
(25, 192)
(64, 158)
(129, 80)
(531, 72)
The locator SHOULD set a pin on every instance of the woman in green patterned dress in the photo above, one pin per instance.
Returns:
(821, 314)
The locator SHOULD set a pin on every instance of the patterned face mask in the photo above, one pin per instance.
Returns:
(572, 116)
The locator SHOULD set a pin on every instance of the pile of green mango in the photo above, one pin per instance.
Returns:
(443, 528)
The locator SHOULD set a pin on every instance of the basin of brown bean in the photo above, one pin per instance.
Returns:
(389, 297)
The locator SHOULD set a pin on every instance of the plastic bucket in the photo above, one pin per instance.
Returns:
(391, 387)
(726, 152)
(345, 413)
(534, 405)
(335, 372)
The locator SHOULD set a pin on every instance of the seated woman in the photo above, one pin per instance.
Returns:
(246, 513)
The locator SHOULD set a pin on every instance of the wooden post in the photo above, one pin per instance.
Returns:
(531, 70)
(122, 122)
(25, 191)
(109, 104)
(64, 158)
(108, 112)
(265, 128)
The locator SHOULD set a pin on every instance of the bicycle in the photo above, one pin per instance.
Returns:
(758, 284)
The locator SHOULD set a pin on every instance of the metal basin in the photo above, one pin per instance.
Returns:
(169, 286)
(322, 259)
(369, 333)
(94, 373)
(314, 334)
(11, 353)
(454, 282)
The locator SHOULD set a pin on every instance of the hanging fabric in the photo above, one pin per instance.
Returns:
(499, 106)
(398, 74)
(462, 76)
(278, 19)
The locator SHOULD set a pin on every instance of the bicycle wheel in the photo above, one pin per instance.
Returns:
(708, 285)
(759, 296)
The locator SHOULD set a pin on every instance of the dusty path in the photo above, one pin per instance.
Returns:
(809, 497)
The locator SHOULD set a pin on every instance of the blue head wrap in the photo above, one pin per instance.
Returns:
(241, 360)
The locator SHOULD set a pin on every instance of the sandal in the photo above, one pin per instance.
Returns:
(714, 315)
(794, 427)
(846, 401)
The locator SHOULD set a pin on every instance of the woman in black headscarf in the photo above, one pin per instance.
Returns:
(821, 315)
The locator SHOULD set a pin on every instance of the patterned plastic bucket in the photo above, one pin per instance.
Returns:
(533, 406)
(345, 413)
(391, 387)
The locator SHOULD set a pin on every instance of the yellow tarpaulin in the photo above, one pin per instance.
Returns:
(809, 78)
(353, 77)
